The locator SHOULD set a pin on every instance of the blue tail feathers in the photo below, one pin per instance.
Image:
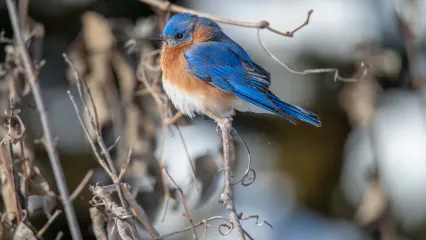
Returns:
(293, 111)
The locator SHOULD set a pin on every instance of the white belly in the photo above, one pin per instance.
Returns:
(188, 105)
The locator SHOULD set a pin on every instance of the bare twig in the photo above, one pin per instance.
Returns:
(124, 168)
(53, 155)
(82, 184)
(11, 114)
(312, 71)
(104, 158)
(188, 157)
(173, 119)
(140, 214)
(259, 224)
(59, 235)
(182, 197)
(73, 196)
(205, 224)
(8, 187)
(162, 105)
(167, 6)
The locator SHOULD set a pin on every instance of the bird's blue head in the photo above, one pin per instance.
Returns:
(180, 29)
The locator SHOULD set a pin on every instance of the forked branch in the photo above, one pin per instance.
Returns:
(168, 7)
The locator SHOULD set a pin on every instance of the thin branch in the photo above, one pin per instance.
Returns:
(175, 118)
(167, 6)
(92, 143)
(163, 106)
(126, 165)
(9, 190)
(140, 214)
(104, 158)
(311, 71)
(73, 196)
(11, 168)
(50, 148)
(205, 223)
(82, 184)
(114, 144)
(185, 205)
(188, 157)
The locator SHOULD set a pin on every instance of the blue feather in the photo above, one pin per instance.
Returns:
(227, 66)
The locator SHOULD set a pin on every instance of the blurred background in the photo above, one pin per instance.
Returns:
(361, 175)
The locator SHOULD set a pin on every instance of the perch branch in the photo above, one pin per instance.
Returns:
(167, 6)
(227, 196)
(50, 148)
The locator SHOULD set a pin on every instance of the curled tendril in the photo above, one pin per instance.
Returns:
(12, 114)
(259, 224)
(226, 228)
(21, 127)
(249, 173)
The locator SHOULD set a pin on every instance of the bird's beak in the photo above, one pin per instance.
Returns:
(159, 37)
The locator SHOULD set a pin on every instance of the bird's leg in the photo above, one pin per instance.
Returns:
(213, 116)
(227, 196)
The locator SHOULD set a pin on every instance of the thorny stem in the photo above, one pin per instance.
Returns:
(167, 6)
(49, 145)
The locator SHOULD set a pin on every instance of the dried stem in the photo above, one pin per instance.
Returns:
(185, 205)
(140, 214)
(167, 6)
(9, 194)
(73, 196)
(312, 71)
(162, 105)
(103, 156)
(227, 196)
(48, 138)
(11, 166)
(205, 224)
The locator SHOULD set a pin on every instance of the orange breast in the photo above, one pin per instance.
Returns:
(173, 64)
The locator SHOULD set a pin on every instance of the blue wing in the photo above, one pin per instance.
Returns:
(227, 66)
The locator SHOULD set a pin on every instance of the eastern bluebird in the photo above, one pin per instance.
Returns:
(206, 71)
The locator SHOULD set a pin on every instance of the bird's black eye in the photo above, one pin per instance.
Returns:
(179, 36)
